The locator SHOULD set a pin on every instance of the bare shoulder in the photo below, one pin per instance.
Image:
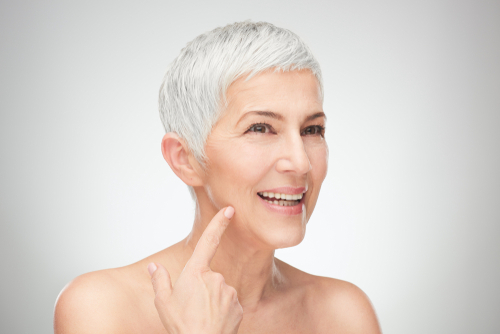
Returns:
(333, 305)
(93, 303)
(343, 306)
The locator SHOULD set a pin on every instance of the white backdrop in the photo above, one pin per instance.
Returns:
(409, 211)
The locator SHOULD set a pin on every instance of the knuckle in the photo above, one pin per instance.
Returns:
(154, 281)
(218, 278)
(157, 276)
(224, 223)
(202, 273)
(160, 298)
(232, 292)
(213, 239)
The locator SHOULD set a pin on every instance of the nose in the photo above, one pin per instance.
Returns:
(293, 157)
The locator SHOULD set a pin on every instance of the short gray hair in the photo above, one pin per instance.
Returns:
(193, 92)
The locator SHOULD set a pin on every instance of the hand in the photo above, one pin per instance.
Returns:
(200, 301)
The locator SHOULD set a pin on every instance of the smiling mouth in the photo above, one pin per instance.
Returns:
(281, 199)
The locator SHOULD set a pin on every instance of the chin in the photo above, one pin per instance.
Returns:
(286, 237)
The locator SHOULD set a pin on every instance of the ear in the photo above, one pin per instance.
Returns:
(180, 160)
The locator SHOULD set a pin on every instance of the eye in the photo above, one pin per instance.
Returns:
(260, 128)
(314, 130)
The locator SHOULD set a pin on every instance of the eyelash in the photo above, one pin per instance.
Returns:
(321, 129)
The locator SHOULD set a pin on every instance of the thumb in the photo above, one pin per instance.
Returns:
(160, 278)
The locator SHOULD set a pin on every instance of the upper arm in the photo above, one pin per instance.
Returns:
(87, 305)
(348, 309)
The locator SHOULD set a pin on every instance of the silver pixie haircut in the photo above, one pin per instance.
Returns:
(193, 92)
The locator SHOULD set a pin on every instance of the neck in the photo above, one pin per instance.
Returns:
(245, 264)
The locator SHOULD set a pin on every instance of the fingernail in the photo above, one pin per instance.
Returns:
(152, 268)
(229, 212)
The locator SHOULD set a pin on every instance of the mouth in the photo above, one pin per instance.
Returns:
(281, 199)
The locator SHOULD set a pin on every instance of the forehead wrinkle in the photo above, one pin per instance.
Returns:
(252, 91)
(260, 109)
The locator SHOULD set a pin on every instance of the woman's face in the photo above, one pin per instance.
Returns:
(269, 139)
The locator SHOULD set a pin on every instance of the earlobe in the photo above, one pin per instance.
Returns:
(176, 153)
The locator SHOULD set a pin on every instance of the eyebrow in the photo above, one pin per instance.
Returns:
(279, 117)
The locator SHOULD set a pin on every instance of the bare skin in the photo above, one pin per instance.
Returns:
(274, 296)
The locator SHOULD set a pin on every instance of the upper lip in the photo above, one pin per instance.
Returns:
(286, 190)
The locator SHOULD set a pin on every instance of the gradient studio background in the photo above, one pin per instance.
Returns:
(410, 209)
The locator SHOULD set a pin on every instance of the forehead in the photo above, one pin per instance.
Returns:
(275, 91)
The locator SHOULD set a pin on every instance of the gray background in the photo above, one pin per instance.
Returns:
(409, 210)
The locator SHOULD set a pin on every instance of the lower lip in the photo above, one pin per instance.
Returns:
(284, 210)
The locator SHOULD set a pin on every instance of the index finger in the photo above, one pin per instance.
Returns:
(210, 239)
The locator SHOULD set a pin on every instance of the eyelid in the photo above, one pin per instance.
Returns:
(320, 127)
(268, 126)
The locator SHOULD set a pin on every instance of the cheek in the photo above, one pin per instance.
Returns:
(242, 164)
(318, 157)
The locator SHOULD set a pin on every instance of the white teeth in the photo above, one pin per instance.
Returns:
(281, 203)
(281, 196)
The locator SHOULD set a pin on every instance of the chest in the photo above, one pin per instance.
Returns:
(288, 313)
(286, 323)
(287, 319)
(283, 318)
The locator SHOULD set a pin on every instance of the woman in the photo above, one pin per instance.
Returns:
(242, 108)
